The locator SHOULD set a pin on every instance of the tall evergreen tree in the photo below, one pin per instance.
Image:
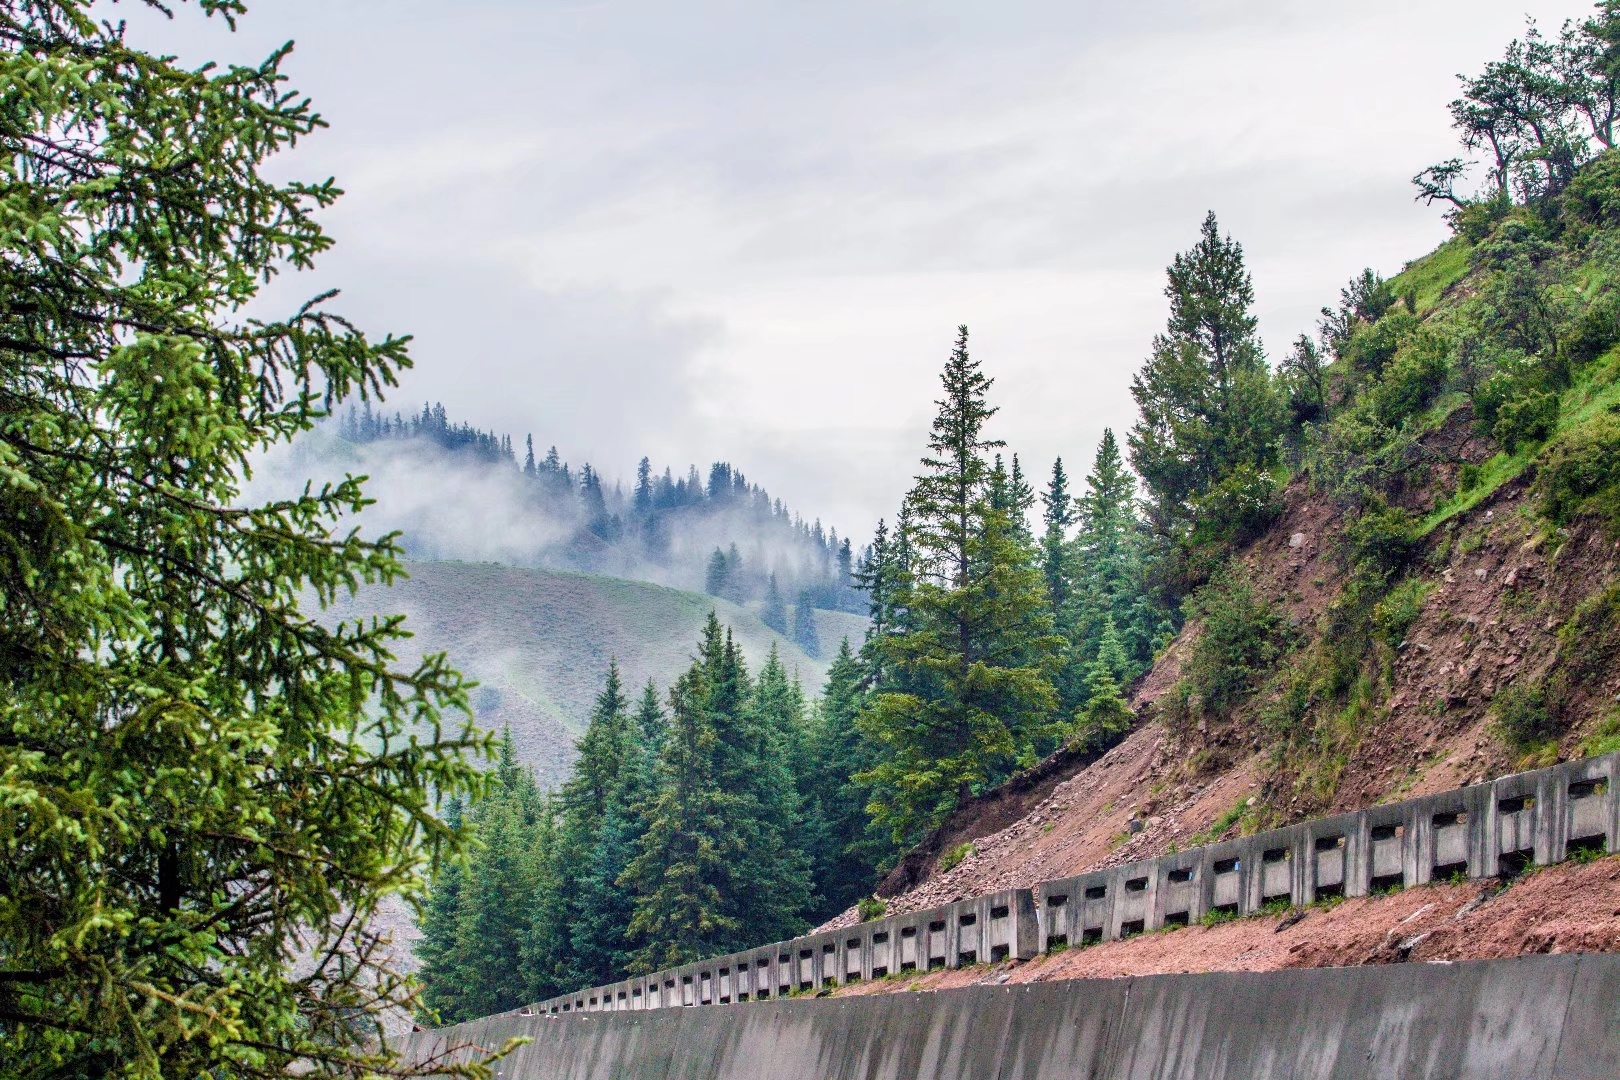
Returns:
(1056, 565)
(683, 866)
(845, 849)
(804, 625)
(969, 694)
(1205, 395)
(774, 613)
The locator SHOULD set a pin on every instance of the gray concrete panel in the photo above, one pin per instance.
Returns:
(1534, 1018)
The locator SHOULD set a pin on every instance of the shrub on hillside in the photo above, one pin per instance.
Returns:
(1596, 331)
(1522, 716)
(1526, 420)
(1239, 508)
(1372, 347)
(1580, 471)
(1242, 637)
(1414, 378)
(1594, 193)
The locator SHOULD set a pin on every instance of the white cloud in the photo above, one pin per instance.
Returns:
(711, 230)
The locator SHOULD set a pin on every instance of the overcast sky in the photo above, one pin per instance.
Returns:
(748, 230)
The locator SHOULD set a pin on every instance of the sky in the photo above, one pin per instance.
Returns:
(748, 231)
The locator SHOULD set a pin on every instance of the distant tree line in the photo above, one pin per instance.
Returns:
(694, 822)
(658, 521)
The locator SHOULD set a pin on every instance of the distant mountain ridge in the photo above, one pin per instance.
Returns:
(539, 641)
(722, 534)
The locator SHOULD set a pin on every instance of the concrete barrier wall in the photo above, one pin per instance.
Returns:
(1479, 831)
(1533, 1018)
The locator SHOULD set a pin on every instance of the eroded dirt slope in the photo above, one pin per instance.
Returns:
(1501, 588)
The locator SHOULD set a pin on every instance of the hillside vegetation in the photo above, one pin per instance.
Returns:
(538, 642)
(1396, 554)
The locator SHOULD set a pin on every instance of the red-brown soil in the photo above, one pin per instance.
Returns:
(1562, 909)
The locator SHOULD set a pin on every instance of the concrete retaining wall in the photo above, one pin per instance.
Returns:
(1525, 1019)
(1481, 831)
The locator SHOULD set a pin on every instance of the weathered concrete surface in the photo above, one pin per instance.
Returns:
(1522, 1019)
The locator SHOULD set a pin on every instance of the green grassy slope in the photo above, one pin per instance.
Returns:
(538, 642)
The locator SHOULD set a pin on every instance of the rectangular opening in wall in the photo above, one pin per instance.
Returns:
(764, 992)
(1585, 845)
(1329, 892)
(1136, 884)
(565, 1008)
(1386, 832)
(636, 992)
(998, 913)
(670, 985)
(1091, 935)
(1586, 789)
(879, 972)
(742, 996)
(1054, 941)
(1449, 871)
(686, 979)
(908, 965)
(1057, 901)
(1177, 918)
(1135, 926)
(1096, 892)
(967, 920)
(622, 995)
(593, 1003)
(807, 985)
(725, 999)
(853, 943)
(880, 938)
(970, 956)
(998, 953)
(1388, 883)
(830, 947)
(1274, 855)
(1225, 909)
(1447, 820)
(1329, 843)
(936, 927)
(1516, 805)
(1514, 863)
(907, 932)
(828, 980)
(1226, 866)
(935, 962)
(1180, 877)
(725, 971)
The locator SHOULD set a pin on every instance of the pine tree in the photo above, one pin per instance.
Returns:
(1058, 516)
(684, 860)
(1106, 714)
(717, 577)
(804, 625)
(644, 487)
(774, 613)
(1205, 395)
(651, 724)
(968, 693)
(845, 849)
(1112, 555)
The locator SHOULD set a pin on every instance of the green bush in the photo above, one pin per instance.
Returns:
(1242, 638)
(1239, 508)
(1526, 420)
(1594, 194)
(1521, 715)
(953, 858)
(1580, 471)
(1394, 615)
(870, 907)
(1380, 540)
(1413, 378)
(1371, 348)
(1468, 477)
(1596, 331)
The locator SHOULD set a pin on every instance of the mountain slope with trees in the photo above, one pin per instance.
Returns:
(540, 641)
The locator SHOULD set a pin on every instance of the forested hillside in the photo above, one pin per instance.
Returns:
(460, 493)
(1383, 561)
(539, 642)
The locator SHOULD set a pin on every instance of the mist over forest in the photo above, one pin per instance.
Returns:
(455, 492)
